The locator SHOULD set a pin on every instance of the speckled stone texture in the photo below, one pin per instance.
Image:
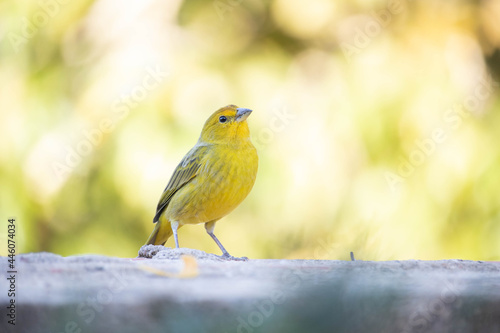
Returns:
(96, 294)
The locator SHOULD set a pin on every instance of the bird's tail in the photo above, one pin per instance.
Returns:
(161, 233)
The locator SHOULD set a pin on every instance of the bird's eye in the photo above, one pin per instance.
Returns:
(222, 119)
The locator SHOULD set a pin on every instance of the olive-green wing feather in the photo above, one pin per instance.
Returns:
(183, 174)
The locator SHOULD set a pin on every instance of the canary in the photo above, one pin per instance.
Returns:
(212, 179)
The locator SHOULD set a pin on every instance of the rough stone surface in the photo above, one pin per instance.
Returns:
(92, 293)
(162, 252)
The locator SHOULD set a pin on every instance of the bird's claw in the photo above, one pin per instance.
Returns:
(228, 257)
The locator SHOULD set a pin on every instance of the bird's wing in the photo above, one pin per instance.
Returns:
(183, 174)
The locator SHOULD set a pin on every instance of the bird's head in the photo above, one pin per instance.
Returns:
(228, 125)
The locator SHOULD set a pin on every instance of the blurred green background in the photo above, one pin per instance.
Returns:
(376, 122)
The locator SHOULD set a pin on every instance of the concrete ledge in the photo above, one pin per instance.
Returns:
(102, 294)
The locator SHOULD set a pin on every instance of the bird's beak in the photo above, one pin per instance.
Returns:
(242, 114)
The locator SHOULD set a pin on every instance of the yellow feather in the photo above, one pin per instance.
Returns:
(213, 178)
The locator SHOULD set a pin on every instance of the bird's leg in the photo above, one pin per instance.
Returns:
(175, 226)
(224, 251)
(209, 227)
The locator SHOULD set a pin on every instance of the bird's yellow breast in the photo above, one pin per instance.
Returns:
(224, 180)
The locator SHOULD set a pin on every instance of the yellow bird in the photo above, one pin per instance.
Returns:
(211, 180)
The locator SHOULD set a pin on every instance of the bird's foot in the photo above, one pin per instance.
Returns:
(228, 257)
